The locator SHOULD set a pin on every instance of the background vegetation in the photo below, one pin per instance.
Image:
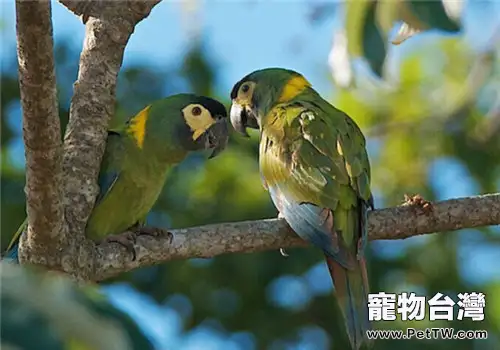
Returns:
(433, 107)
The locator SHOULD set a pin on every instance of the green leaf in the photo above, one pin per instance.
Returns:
(434, 15)
(374, 45)
(387, 13)
(364, 38)
(369, 22)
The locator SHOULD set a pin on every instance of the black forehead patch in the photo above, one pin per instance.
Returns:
(236, 87)
(234, 91)
(214, 106)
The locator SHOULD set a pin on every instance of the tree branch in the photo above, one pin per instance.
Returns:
(253, 236)
(79, 8)
(108, 29)
(41, 129)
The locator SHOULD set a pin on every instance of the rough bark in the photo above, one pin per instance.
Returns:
(107, 31)
(81, 8)
(252, 236)
(41, 129)
(93, 101)
(109, 25)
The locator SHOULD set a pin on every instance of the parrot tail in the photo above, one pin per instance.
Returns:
(11, 255)
(351, 287)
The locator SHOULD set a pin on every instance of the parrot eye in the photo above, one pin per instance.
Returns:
(245, 88)
(196, 111)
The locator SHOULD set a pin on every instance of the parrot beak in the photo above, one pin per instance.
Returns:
(217, 136)
(238, 118)
(241, 118)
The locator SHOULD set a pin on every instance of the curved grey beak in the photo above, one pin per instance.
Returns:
(241, 118)
(238, 119)
(217, 136)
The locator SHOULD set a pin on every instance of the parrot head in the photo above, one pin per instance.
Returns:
(254, 95)
(182, 122)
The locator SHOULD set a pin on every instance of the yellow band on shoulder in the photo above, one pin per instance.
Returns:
(137, 126)
(293, 87)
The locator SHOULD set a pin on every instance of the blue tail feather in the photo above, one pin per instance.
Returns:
(12, 255)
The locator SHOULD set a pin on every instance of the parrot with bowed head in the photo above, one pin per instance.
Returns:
(314, 164)
(139, 154)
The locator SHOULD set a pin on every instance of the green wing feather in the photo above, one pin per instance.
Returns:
(323, 125)
(110, 165)
(313, 153)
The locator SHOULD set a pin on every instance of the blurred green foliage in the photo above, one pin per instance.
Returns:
(369, 23)
(47, 311)
(432, 110)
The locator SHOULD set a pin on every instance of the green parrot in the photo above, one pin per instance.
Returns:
(139, 152)
(314, 164)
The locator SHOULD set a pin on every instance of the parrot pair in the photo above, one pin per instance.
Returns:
(312, 159)
(138, 155)
(313, 162)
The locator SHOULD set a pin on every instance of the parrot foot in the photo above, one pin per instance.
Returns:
(154, 232)
(284, 253)
(418, 201)
(126, 239)
(282, 250)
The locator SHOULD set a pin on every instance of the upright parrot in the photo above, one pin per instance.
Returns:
(314, 164)
(138, 155)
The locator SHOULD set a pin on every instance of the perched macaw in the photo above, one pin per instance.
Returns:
(139, 154)
(315, 166)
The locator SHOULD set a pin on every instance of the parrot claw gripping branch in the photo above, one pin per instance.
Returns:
(128, 239)
(138, 155)
(314, 164)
